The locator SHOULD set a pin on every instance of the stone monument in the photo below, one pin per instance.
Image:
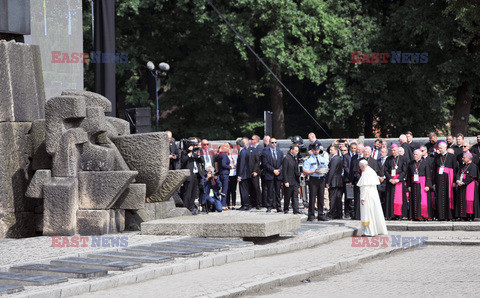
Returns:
(67, 168)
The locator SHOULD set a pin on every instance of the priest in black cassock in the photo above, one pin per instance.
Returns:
(419, 182)
(466, 203)
(445, 165)
(395, 174)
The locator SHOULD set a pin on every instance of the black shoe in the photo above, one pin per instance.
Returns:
(286, 211)
(194, 212)
(322, 218)
(258, 207)
(269, 209)
(311, 219)
(279, 210)
(243, 208)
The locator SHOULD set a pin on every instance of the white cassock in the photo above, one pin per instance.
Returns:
(371, 214)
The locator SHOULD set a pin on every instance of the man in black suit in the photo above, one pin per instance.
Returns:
(243, 173)
(476, 148)
(191, 160)
(466, 149)
(347, 159)
(291, 179)
(272, 160)
(383, 183)
(335, 183)
(254, 164)
(174, 152)
(266, 143)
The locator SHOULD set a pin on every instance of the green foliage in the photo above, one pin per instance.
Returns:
(216, 90)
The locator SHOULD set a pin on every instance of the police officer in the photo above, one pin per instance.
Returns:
(316, 166)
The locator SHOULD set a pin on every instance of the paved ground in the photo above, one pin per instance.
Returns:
(437, 271)
(215, 279)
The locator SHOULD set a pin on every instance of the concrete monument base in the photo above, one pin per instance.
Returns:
(224, 225)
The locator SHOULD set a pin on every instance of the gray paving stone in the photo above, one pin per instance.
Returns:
(102, 264)
(233, 243)
(8, 289)
(133, 257)
(61, 271)
(174, 252)
(195, 246)
(19, 279)
(223, 225)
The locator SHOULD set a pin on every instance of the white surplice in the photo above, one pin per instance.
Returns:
(371, 214)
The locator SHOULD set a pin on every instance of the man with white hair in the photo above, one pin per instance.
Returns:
(466, 203)
(371, 214)
(396, 204)
(419, 182)
(445, 166)
(408, 151)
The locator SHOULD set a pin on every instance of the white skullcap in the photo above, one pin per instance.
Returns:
(363, 162)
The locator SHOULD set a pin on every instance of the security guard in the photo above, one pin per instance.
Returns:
(316, 166)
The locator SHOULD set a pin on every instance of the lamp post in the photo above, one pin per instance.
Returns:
(158, 75)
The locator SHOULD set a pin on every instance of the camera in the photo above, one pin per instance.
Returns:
(187, 143)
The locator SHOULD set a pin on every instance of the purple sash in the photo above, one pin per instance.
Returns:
(398, 199)
(424, 196)
(470, 195)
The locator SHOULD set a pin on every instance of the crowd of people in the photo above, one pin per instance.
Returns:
(437, 180)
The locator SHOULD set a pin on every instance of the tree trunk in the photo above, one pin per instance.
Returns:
(461, 112)
(276, 101)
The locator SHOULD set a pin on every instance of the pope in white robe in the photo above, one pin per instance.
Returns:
(371, 214)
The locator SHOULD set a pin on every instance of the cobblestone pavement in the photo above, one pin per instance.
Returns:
(15, 251)
(436, 271)
(215, 279)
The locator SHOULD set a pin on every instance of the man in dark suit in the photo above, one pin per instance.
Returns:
(243, 173)
(383, 183)
(291, 179)
(266, 143)
(476, 148)
(191, 160)
(254, 163)
(272, 160)
(174, 152)
(466, 149)
(347, 159)
(335, 183)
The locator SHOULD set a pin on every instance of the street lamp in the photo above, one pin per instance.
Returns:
(158, 75)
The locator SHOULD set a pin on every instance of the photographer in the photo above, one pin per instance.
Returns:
(194, 162)
(210, 186)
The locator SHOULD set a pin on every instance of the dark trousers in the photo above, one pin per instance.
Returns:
(264, 192)
(317, 193)
(383, 199)
(274, 199)
(225, 184)
(335, 197)
(244, 194)
(232, 190)
(191, 193)
(291, 194)
(255, 192)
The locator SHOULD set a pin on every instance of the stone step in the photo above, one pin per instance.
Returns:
(168, 251)
(94, 263)
(60, 271)
(8, 289)
(19, 279)
(132, 257)
(227, 242)
(195, 246)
